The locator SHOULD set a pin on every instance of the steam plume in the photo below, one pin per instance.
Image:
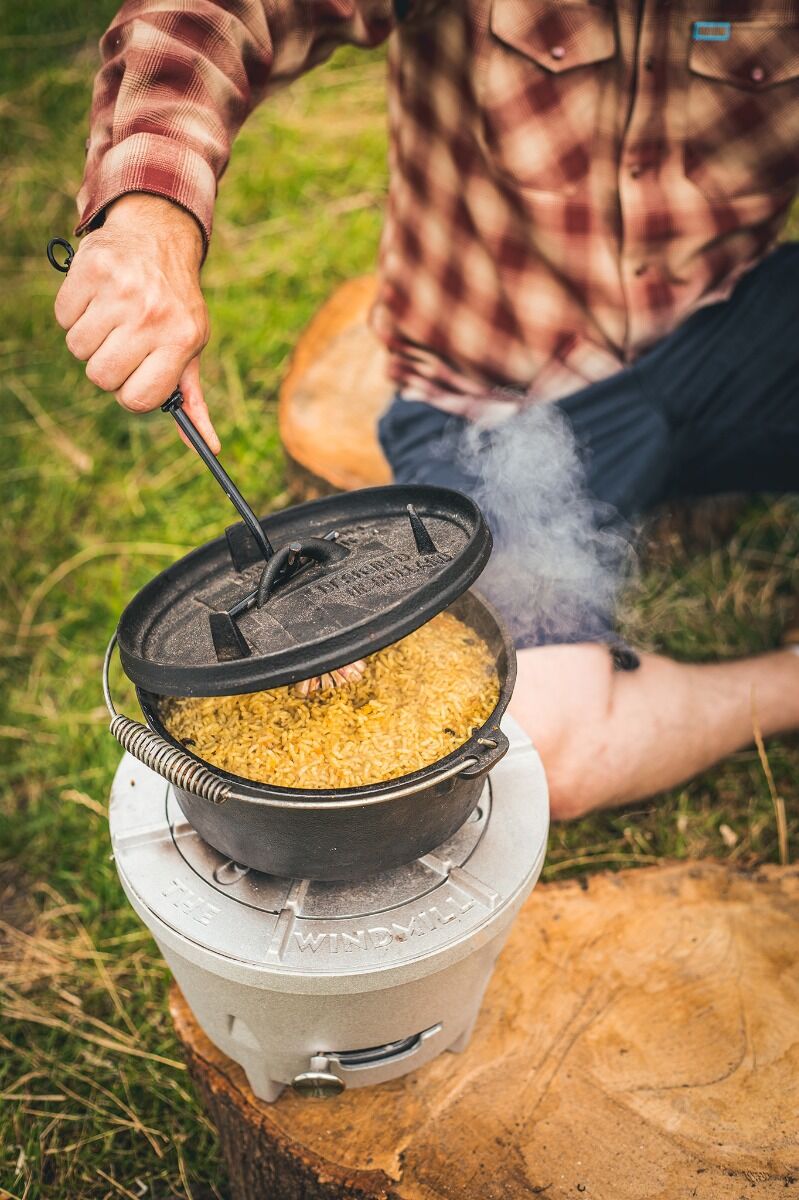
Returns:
(559, 556)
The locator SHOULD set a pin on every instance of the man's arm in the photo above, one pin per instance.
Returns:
(175, 86)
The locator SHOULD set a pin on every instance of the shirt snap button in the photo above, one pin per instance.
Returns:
(558, 51)
(636, 170)
(642, 270)
(757, 74)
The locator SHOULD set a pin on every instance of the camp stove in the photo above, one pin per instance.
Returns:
(326, 985)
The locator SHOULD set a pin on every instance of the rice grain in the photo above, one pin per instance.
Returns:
(418, 700)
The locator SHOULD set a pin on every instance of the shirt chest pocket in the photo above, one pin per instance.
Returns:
(540, 80)
(742, 118)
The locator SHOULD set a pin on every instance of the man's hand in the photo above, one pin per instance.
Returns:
(133, 308)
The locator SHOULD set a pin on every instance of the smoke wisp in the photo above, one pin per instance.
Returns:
(560, 557)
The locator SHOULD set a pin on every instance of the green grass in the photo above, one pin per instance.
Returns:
(94, 1101)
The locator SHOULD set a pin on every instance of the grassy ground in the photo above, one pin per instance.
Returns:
(94, 1101)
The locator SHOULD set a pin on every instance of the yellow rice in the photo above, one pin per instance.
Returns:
(418, 700)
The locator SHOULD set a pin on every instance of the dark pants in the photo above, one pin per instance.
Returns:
(714, 407)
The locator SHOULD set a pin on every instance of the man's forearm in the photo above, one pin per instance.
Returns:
(614, 737)
(178, 81)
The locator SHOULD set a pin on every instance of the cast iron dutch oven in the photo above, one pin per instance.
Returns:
(368, 567)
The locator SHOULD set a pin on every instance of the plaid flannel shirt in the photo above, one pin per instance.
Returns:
(569, 181)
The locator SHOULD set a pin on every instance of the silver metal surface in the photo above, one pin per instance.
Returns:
(377, 976)
(318, 1083)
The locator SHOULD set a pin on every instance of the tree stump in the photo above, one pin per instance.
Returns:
(333, 395)
(639, 1039)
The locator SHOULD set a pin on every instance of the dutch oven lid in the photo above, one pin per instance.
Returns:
(350, 574)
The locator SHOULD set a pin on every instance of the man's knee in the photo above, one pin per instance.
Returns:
(563, 699)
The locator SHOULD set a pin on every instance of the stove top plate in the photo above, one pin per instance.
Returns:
(374, 894)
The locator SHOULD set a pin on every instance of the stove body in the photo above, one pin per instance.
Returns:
(325, 985)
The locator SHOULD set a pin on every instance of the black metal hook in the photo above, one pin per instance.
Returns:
(174, 405)
(64, 245)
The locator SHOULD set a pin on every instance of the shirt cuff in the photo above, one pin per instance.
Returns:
(149, 162)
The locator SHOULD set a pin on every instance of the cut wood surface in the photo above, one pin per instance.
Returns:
(639, 1039)
(334, 392)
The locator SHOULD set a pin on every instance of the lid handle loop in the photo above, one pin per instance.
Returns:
(229, 642)
(319, 550)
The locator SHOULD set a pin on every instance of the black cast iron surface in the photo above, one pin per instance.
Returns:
(350, 833)
(383, 570)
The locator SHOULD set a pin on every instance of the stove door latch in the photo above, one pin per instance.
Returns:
(320, 1082)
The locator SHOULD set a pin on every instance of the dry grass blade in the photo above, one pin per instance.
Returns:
(76, 797)
(184, 1179)
(20, 1010)
(26, 735)
(586, 860)
(132, 1119)
(776, 798)
(118, 1187)
(65, 568)
(103, 1135)
(107, 981)
(79, 459)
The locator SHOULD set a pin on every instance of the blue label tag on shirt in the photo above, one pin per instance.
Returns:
(712, 31)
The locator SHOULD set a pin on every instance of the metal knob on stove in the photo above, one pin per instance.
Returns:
(318, 1083)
